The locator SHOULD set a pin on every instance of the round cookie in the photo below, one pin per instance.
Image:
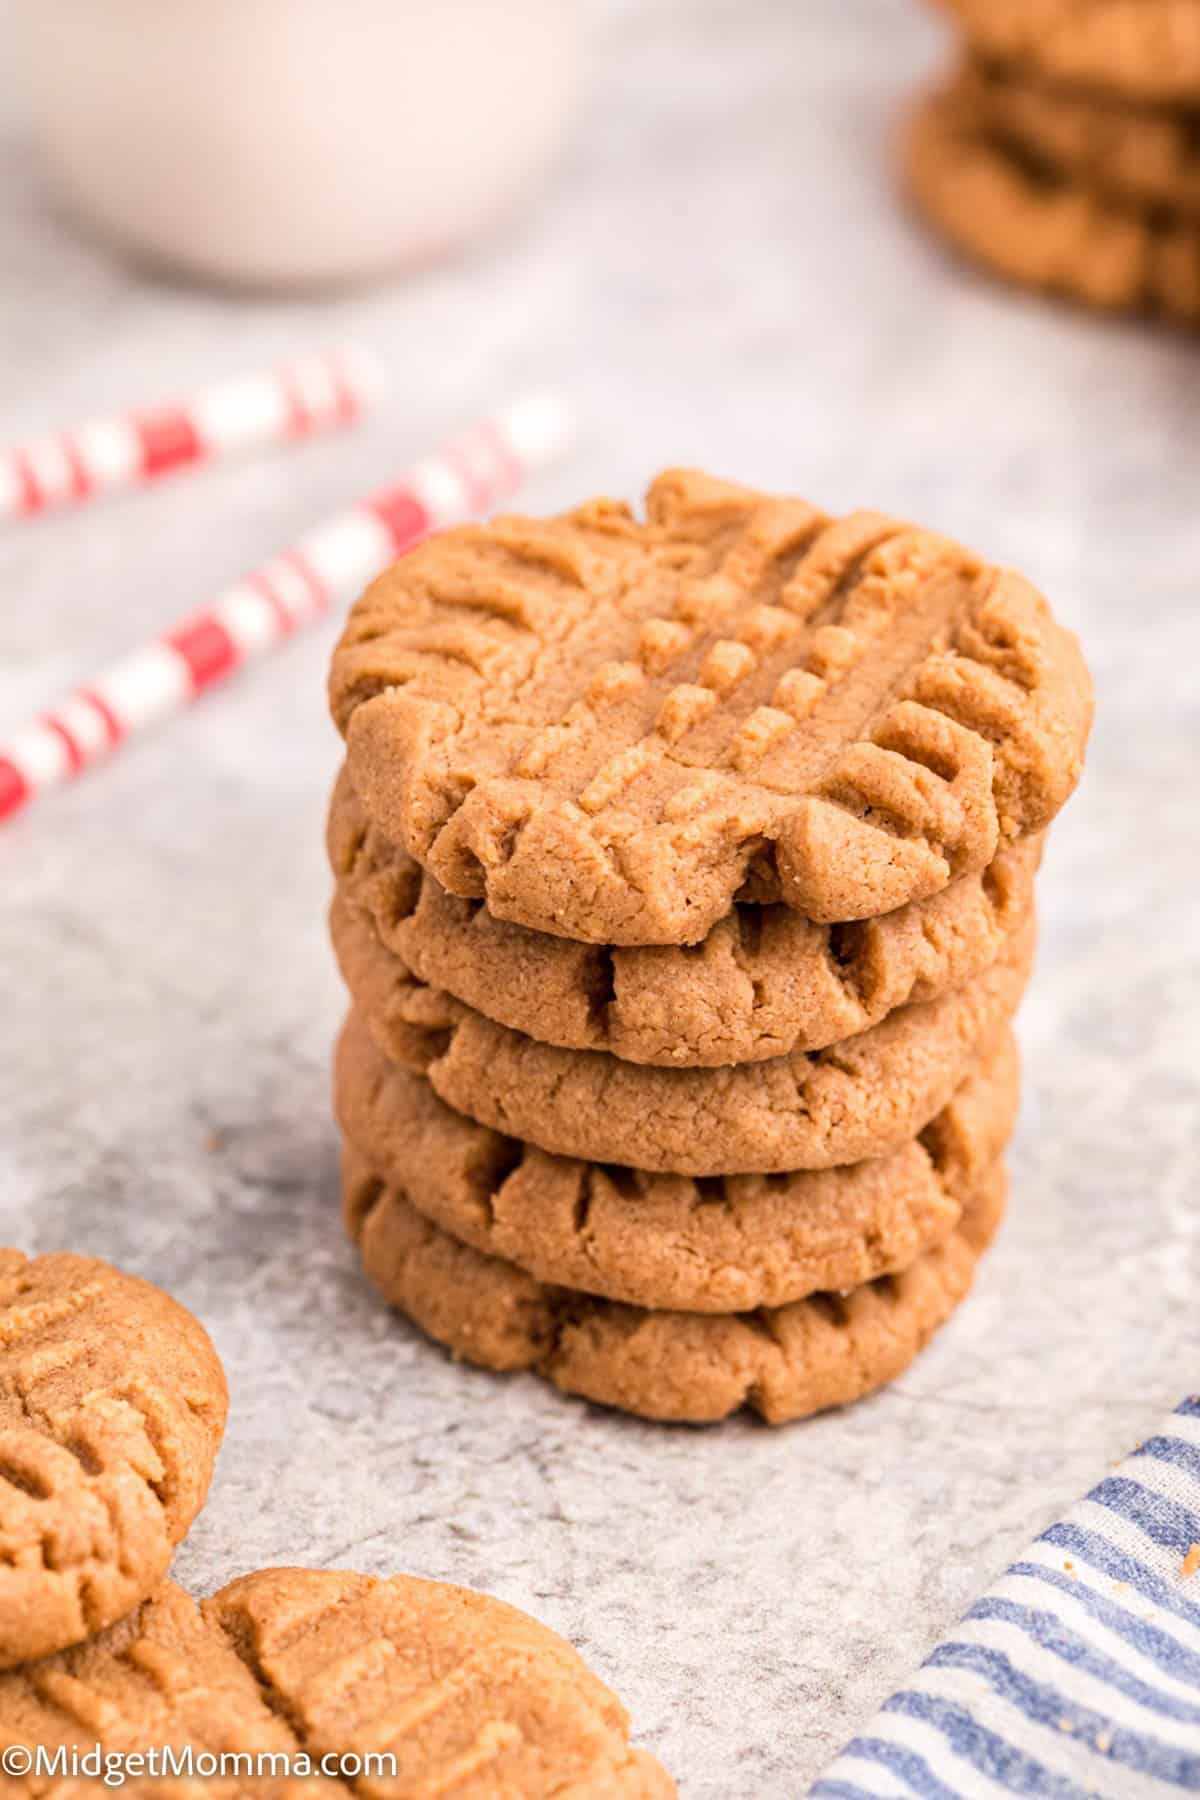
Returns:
(1147, 156)
(1041, 230)
(112, 1409)
(784, 1363)
(606, 728)
(764, 981)
(859, 1098)
(1143, 50)
(471, 1697)
(663, 1241)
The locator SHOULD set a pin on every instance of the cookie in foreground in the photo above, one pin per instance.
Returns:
(471, 1697)
(112, 1410)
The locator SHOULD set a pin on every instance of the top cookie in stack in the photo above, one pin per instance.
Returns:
(701, 846)
(610, 730)
(1064, 152)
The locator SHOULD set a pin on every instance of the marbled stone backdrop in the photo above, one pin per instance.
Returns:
(722, 274)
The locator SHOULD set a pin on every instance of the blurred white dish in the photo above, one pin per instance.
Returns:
(296, 142)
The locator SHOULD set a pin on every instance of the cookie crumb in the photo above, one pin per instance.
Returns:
(1191, 1561)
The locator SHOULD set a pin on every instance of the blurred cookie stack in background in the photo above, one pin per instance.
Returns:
(1063, 152)
(684, 896)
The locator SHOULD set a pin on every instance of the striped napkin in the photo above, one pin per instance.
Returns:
(1078, 1673)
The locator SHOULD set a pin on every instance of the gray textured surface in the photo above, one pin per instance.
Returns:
(721, 274)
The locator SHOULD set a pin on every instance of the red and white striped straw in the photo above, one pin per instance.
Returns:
(230, 418)
(325, 568)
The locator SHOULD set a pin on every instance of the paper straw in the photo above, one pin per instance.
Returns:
(325, 568)
(231, 418)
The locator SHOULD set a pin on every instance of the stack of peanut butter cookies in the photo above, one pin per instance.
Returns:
(1064, 151)
(685, 897)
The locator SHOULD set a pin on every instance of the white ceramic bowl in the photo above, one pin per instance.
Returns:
(296, 142)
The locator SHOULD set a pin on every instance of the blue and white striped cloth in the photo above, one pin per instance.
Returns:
(1078, 1674)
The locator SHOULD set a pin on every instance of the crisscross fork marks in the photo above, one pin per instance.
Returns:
(707, 1244)
(815, 1109)
(112, 1406)
(822, 1351)
(764, 981)
(448, 1681)
(855, 710)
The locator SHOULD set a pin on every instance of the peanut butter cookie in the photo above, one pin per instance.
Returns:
(1042, 229)
(764, 981)
(861, 1097)
(1147, 156)
(608, 729)
(112, 1409)
(784, 1362)
(1141, 49)
(472, 1698)
(663, 1241)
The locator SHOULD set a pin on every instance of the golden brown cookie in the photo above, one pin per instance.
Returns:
(1140, 49)
(472, 1698)
(862, 1097)
(722, 1245)
(1148, 156)
(763, 982)
(784, 1362)
(112, 1409)
(165, 1676)
(1042, 230)
(607, 728)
